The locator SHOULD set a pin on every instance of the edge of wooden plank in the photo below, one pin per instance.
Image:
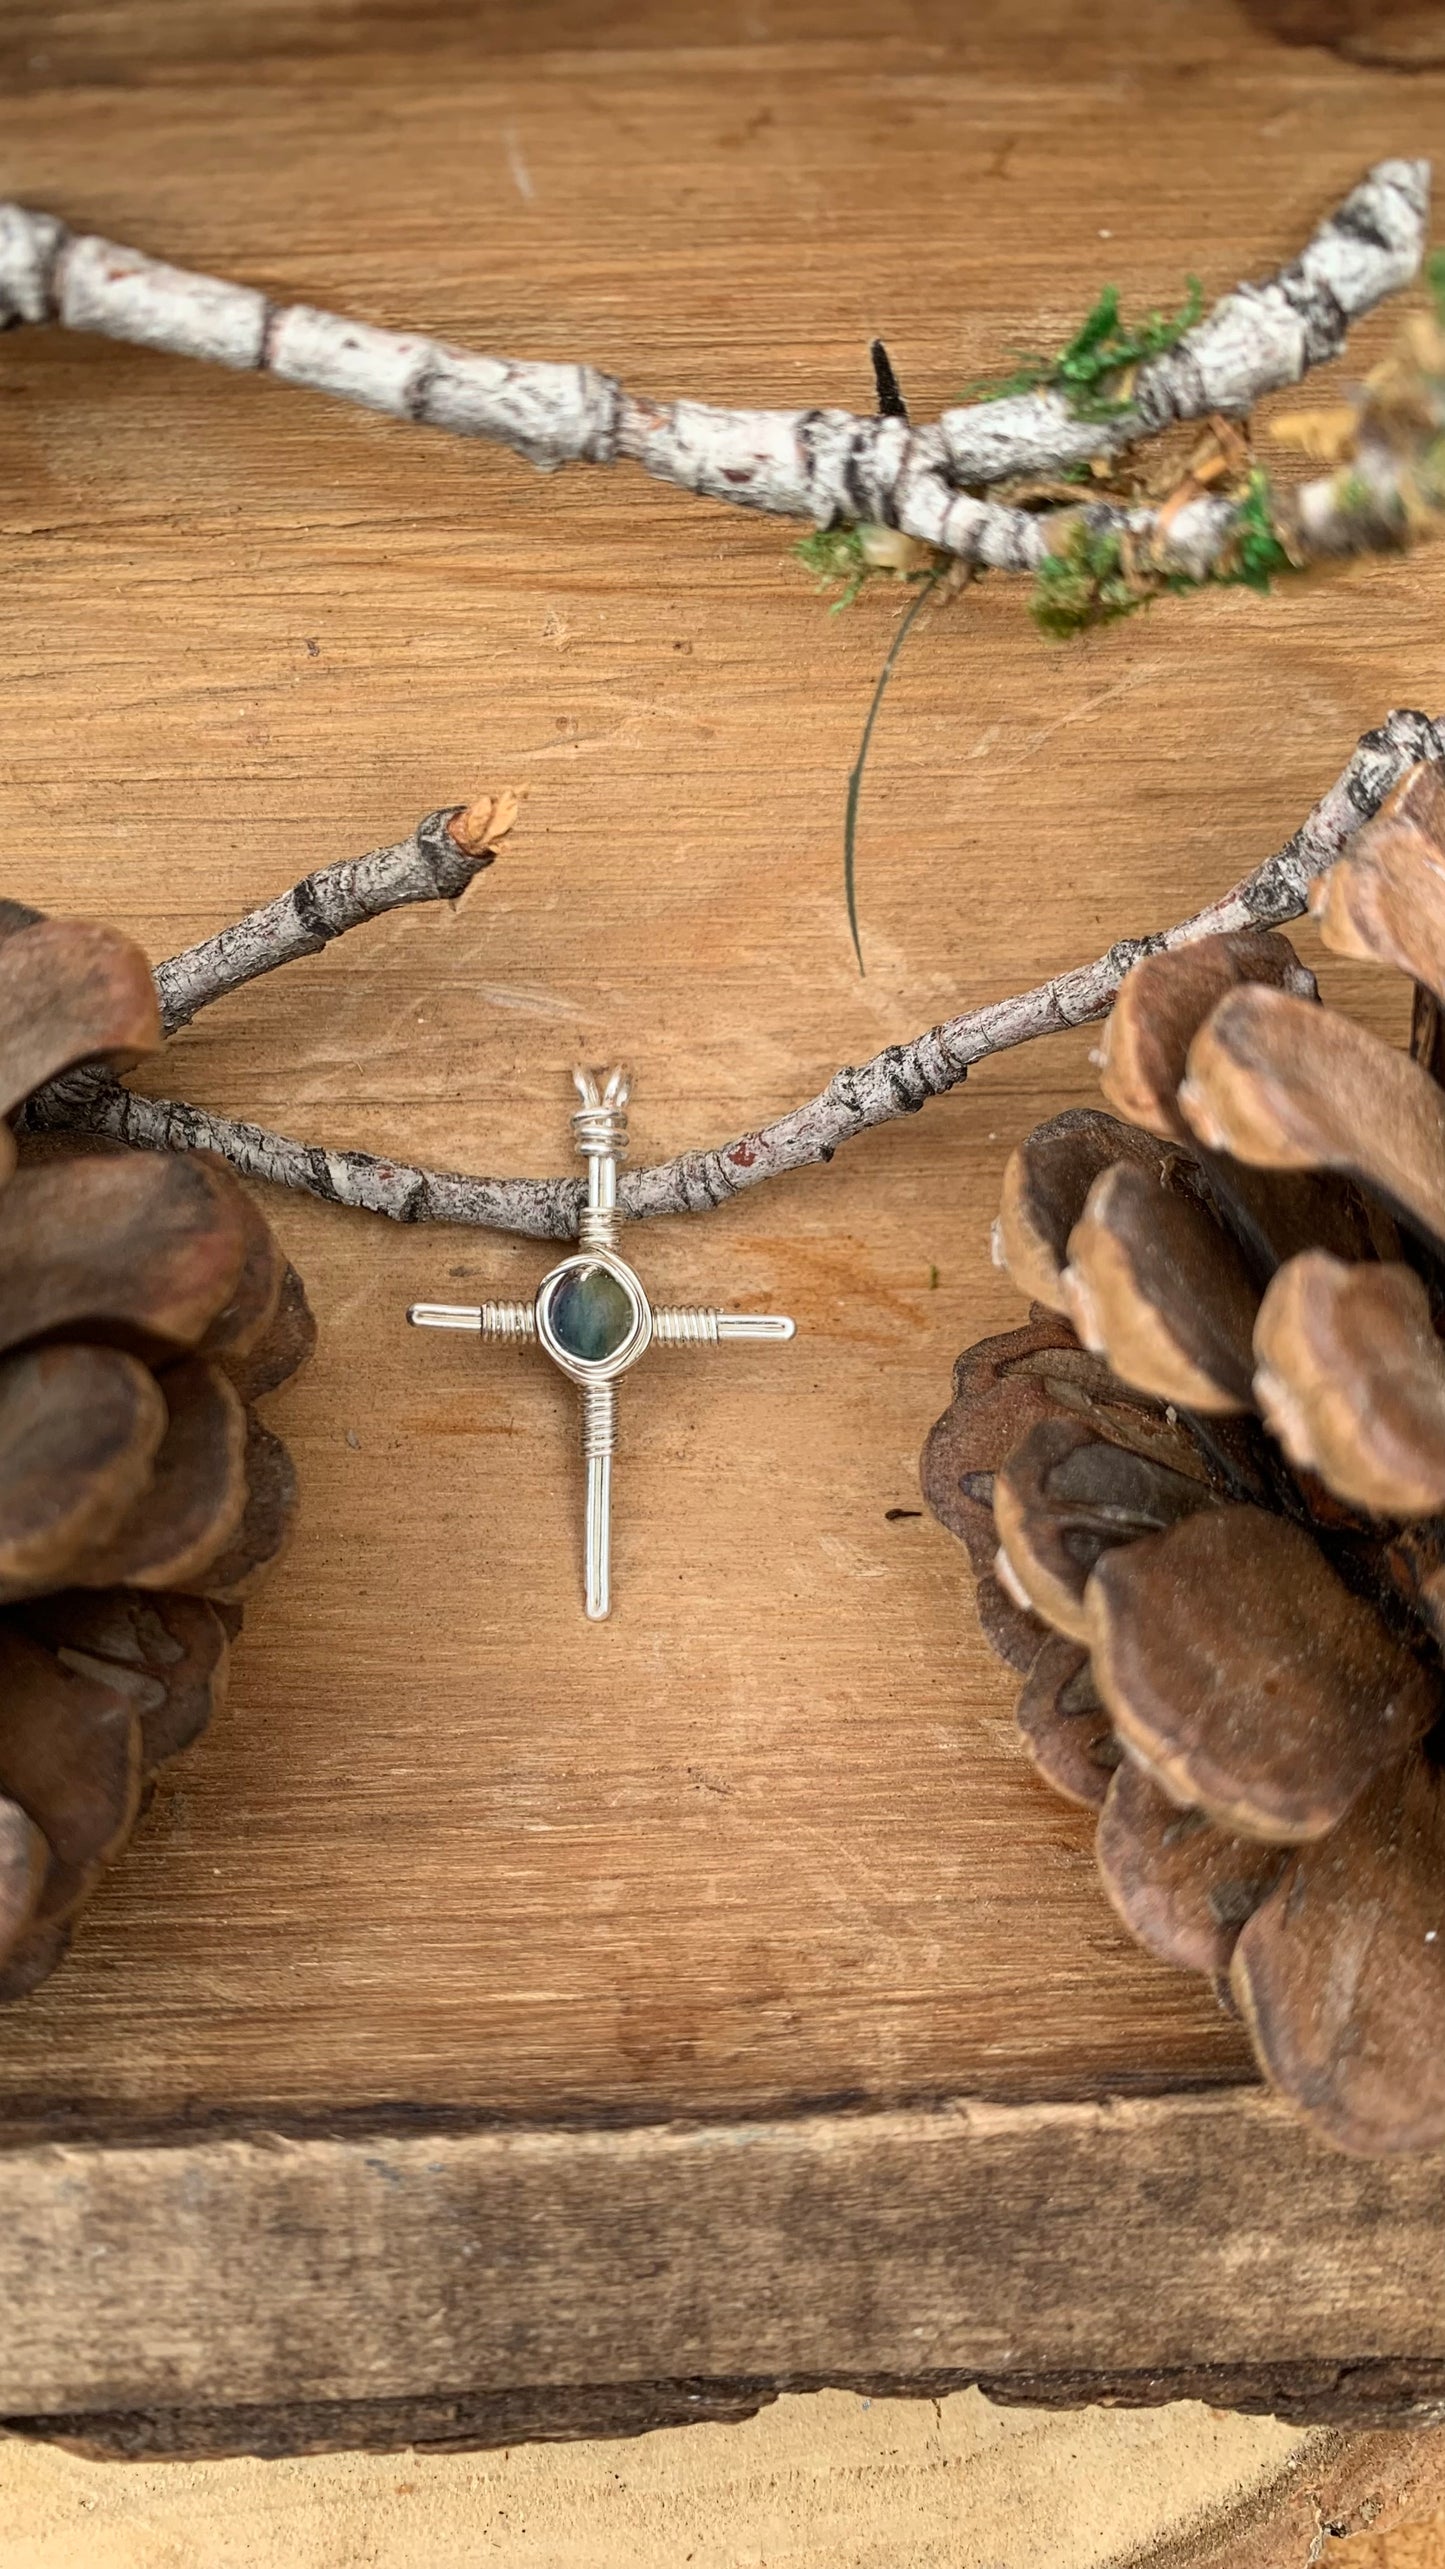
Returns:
(1111, 2249)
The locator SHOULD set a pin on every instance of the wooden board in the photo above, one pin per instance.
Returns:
(766, 1842)
(835, 2481)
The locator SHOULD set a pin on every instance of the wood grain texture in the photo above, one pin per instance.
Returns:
(966, 2242)
(837, 2482)
(767, 1840)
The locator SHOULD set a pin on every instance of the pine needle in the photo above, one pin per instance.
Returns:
(855, 773)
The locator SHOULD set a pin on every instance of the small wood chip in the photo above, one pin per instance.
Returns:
(481, 826)
(1247, 1677)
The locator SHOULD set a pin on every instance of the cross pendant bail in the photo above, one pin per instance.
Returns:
(593, 1318)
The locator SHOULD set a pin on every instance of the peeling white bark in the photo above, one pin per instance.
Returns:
(827, 465)
(896, 1082)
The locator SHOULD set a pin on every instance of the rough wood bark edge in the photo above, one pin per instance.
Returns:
(449, 2264)
(1368, 2399)
(828, 465)
(1340, 2483)
(897, 1081)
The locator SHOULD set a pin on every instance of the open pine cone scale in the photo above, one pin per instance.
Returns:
(1203, 1488)
(144, 1303)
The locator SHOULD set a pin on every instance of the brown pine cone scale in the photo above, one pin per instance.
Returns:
(144, 1305)
(1203, 1489)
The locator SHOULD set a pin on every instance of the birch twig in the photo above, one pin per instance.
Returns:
(827, 465)
(438, 862)
(896, 1082)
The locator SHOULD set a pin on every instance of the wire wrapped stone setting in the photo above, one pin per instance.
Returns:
(593, 1318)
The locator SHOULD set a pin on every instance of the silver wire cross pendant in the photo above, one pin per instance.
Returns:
(594, 1319)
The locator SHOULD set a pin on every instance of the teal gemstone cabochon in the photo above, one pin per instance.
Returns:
(592, 1314)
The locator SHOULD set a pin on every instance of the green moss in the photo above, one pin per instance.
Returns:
(1257, 557)
(1435, 280)
(1082, 584)
(1085, 371)
(834, 554)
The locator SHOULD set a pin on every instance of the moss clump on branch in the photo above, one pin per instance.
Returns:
(1258, 556)
(1084, 583)
(1088, 369)
(853, 555)
(1094, 576)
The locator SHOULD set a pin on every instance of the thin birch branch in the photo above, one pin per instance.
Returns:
(438, 862)
(827, 465)
(896, 1082)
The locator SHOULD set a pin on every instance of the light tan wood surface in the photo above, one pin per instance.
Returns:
(835, 2482)
(768, 1836)
(767, 1840)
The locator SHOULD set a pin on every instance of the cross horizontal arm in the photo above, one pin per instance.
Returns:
(704, 1328)
(686, 1327)
(489, 1319)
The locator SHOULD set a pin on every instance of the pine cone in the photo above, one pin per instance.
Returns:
(144, 1304)
(1203, 1490)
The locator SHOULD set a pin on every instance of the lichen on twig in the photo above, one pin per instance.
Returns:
(432, 865)
(827, 465)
